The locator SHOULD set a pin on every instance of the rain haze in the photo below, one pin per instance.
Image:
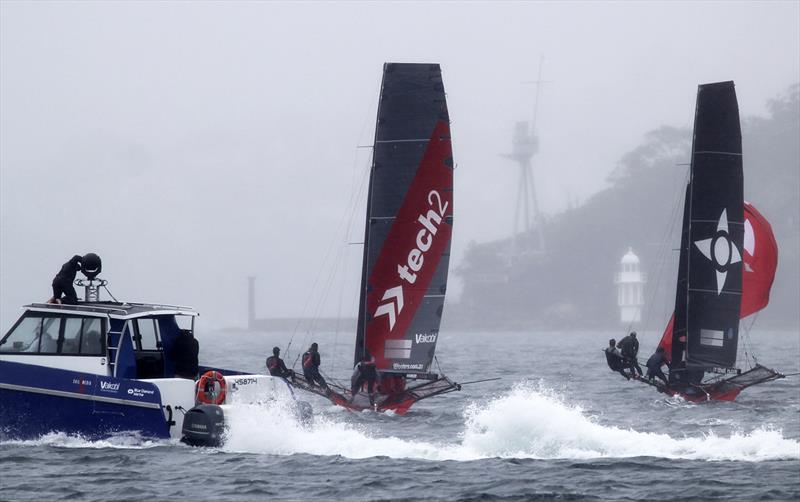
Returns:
(192, 145)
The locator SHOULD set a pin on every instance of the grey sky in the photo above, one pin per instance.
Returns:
(191, 144)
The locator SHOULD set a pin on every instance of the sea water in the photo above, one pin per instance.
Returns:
(558, 424)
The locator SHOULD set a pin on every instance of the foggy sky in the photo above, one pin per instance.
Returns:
(192, 144)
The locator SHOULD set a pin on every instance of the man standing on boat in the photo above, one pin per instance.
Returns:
(365, 373)
(62, 282)
(614, 359)
(654, 364)
(277, 367)
(311, 362)
(630, 349)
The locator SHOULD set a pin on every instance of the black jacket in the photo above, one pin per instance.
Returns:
(367, 369)
(69, 270)
(656, 361)
(613, 359)
(629, 346)
(277, 367)
(184, 355)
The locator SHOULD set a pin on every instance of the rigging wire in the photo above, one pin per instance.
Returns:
(109, 293)
(346, 221)
(664, 250)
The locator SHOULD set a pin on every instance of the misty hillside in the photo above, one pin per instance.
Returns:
(570, 281)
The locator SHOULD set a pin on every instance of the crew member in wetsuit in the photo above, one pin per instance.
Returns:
(277, 367)
(630, 349)
(311, 362)
(365, 373)
(184, 355)
(654, 364)
(614, 359)
(62, 282)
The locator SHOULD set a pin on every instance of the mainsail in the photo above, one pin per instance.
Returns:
(712, 247)
(409, 222)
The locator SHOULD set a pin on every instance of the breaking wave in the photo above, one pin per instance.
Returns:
(527, 422)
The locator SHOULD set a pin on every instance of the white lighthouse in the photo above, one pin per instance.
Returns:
(630, 289)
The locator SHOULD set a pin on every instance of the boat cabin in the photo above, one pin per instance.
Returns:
(124, 340)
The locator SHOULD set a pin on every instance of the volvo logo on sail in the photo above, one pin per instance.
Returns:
(430, 222)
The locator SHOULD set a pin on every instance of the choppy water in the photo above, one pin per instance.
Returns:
(558, 425)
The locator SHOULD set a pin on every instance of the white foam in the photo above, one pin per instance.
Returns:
(527, 422)
(122, 441)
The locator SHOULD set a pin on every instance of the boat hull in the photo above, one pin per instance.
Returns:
(36, 400)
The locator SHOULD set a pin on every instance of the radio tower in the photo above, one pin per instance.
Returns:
(524, 146)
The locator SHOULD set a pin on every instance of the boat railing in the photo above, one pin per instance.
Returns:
(163, 306)
(73, 308)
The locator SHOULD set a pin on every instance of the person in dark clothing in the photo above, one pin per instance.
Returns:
(184, 354)
(311, 362)
(654, 364)
(630, 349)
(277, 367)
(365, 373)
(62, 282)
(614, 359)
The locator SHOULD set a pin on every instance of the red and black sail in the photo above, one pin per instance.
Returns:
(760, 262)
(409, 222)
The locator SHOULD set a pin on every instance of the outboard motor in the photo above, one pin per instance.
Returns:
(203, 425)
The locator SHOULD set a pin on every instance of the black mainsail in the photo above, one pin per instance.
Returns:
(708, 314)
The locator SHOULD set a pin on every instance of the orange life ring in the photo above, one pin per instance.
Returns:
(211, 397)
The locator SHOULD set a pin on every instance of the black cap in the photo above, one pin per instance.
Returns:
(314, 345)
(633, 333)
(276, 350)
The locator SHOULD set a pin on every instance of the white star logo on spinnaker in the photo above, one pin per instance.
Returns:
(720, 250)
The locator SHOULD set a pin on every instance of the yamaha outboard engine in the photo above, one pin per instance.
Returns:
(203, 425)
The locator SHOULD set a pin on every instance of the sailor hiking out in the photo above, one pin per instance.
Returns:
(277, 367)
(629, 346)
(614, 359)
(311, 362)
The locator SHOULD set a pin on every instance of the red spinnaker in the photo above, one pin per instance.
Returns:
(760, 256)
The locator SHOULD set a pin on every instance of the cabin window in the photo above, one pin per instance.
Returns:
(54, 334)
(92, 337)
(24, 337)
(72, 336)
(49, 338)
(148, 335)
